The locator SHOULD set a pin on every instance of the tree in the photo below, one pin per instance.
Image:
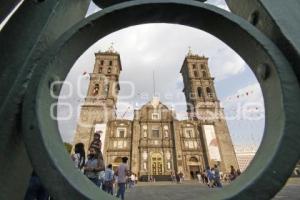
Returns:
(68, 146)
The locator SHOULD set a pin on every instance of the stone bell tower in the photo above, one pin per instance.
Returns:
(100, 103)
(204, 107)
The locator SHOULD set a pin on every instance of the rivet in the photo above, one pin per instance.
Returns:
(254, 18)
(262, 72)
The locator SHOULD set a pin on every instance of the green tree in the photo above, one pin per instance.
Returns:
(68, 147)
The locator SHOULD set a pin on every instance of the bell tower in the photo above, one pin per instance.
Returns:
(100, 103)
(204, 107)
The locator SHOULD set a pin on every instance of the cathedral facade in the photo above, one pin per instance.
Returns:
(155, 141)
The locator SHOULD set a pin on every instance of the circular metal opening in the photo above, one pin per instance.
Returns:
(261, 180)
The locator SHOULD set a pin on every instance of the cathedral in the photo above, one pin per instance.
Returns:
(155, 141)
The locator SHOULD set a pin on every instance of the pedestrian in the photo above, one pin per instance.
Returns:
(109, 180)
(181, 176)
(203, 177)
(232, 174)
(177, 178)
(238, 172)
(199, 177)
(79, 156)
(96, 143)
(132, 180)
(173, 177)
(122, 172)
(210, 177)
(116, 183)
(93, 166)
(217, 177)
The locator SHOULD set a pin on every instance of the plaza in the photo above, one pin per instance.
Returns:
(190, 190)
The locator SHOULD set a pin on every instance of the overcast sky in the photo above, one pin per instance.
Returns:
(161, 48)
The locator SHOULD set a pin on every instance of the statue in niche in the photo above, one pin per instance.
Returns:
(106, 89)
(96, 89)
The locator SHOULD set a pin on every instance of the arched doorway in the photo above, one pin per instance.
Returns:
(156, 164)
(194, 167)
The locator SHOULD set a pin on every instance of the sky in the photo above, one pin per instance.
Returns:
(155, 48)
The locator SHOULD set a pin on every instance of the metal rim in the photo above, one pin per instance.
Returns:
(107, 3)
(264, 177)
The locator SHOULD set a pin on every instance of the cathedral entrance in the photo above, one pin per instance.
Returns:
(194, 170)
(194, 167)
(157, 164)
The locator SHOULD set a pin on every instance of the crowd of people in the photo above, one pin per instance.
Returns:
(114, 182)
(212, 177)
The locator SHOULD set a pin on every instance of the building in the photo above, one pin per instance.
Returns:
(155, 141)
(245, 155)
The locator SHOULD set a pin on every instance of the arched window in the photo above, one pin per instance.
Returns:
(203, 74)
(109, 70)
(196, 74)
(208, 91)
(199, 90)
(100, 69)
(96, 89)
(193, 159)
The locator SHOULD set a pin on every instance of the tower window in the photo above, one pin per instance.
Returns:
(121, 132)
(199, 90)
(194, 66)
(208, 91)
(96, 89)
(109, 70)
(155, 116)
(110, 63)
(202, 66)
(196, 74)
(203, 74)
(102, 62)
(189, 133)
(155, 133)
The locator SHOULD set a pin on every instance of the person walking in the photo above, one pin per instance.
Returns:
(79, 156)
(93, 166)
(177, 177)
(232, 174)
(203, 177)
(122, 172)
(181, 176)
(210, 177)
(199, 177)
(217, 177)
(132, 180)
(109, 180)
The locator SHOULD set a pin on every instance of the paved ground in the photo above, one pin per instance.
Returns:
(192, 190)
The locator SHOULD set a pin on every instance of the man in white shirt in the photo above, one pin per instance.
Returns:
(122, 172)
(132, 180)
